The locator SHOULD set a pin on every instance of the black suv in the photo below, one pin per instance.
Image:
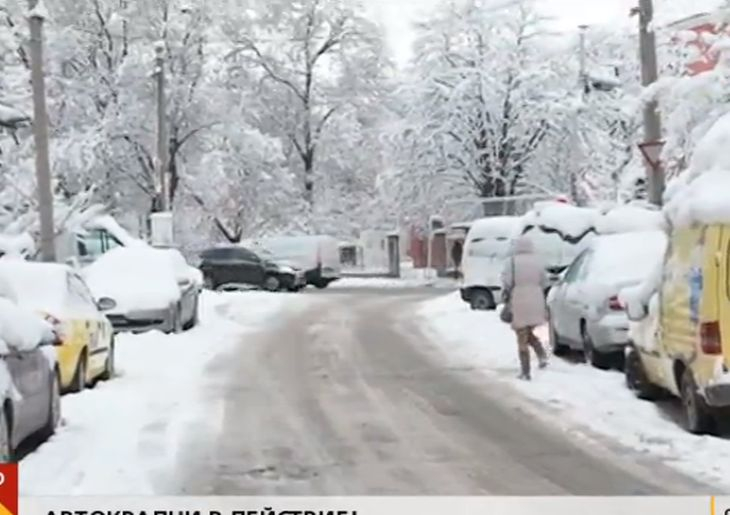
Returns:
(236, 267)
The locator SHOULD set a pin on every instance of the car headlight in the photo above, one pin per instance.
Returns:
(105, 304)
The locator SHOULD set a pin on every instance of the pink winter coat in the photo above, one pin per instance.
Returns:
(528, 282)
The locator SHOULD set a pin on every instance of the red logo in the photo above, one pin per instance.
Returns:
(8, 489)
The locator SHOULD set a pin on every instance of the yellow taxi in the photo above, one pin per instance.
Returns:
(682, 334)
(56, 291)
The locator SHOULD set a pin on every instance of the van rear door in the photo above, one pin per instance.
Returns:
(722, 260)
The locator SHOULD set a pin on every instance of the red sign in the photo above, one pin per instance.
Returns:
(8, 489)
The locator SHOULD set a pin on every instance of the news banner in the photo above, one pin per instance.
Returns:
(12, 504)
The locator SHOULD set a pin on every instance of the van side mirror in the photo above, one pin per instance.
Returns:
(637, 311)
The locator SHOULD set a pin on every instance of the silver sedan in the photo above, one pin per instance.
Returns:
(584, 308)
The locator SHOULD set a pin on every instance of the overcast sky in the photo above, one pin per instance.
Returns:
(568, 14)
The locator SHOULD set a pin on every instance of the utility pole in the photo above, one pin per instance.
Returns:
(652, 145)
(36, 17)
(582, 50)
(576, 155)
(163, 203)
(161, 223)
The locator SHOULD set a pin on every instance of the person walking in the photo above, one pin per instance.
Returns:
(524, 282)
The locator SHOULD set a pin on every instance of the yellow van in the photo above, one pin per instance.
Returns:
(687, 351)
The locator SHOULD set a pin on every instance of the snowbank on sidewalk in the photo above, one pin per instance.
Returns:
(123, 437)
(385, 283)
(580, 397)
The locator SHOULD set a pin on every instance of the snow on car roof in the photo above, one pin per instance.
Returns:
(138, 277)
(627, 257)
(37, 286)
(570, 222)
(506, 226)
(630, 218)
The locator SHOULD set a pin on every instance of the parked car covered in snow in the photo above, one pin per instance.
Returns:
(142, 288)
(584, 306)
(487, 245)
(318, 256)
(560, 232)
(29, 378)
(60, 295)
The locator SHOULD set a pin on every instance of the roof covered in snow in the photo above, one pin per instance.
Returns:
(702, 193)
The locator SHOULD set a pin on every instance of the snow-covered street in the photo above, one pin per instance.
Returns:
(359, 391)
(575, 397)
(337, 393)
(124, 436)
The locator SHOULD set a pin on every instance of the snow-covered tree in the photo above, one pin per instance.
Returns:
(317, 63)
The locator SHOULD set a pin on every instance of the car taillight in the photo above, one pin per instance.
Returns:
(710, 338)
(614, 304)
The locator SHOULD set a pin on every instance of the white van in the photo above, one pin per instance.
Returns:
(318, 256)
(487, 245)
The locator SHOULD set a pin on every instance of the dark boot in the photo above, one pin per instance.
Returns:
(539, 350)
(525, 365)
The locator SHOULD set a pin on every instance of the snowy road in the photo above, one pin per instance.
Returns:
(348, 397)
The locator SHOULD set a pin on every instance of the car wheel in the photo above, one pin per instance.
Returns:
(54, 407)
(79, 380)
(272, 283)
(591, 355)
(482, 300)
(6, 442)
(559, 349)
(109, 367)
(698, 418)
(636, 378)
(321, 284)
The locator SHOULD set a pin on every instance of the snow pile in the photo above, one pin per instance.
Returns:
(569, 222)
(126, 436)
(183, 271)
(628, 257)
(702, 194)
(17, 245)
(394, 283)
(136, 278)
(22, 329)
(630, 218)
(573, 396)
(35, 286)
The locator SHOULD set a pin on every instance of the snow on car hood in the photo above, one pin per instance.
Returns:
(136, 278)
